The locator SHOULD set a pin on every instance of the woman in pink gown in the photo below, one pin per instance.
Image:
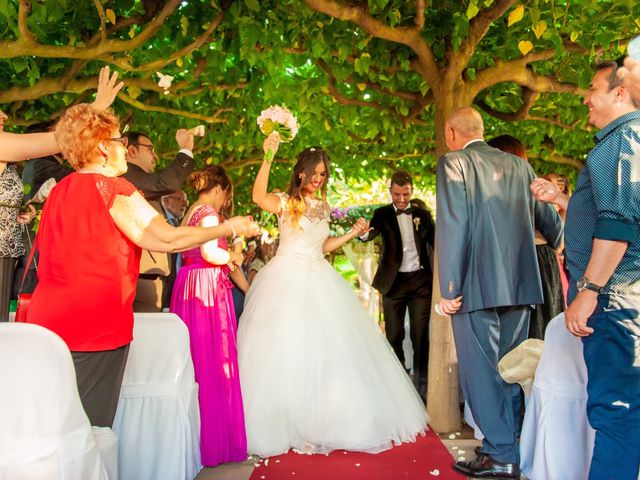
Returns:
(202, 299)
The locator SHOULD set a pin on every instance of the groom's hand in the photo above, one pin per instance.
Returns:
(361, 227)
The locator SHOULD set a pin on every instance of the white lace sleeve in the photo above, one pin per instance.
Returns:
(284, 197)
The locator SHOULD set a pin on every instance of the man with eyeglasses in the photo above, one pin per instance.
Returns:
(141, 159)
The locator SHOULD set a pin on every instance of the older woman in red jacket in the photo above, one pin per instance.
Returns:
(92, 229)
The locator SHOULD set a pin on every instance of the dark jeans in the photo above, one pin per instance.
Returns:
(612, 355)
(99, 376)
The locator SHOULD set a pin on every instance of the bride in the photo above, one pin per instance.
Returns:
(316, 373)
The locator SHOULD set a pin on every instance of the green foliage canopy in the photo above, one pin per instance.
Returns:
(370, 81)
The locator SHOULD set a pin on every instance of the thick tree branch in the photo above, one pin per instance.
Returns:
(563, 159)
(49, 86)
(103, 23)
(215, 118)
(411, 118)
(24, 9)
(125, 63)
(478, 28)
(419, 20)
(27, 45)
(518, 72)
(529, 98)
(409, 36)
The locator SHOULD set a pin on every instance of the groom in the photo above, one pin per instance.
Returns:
(404, 273)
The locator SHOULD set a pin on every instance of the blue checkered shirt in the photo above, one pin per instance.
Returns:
(606, 205)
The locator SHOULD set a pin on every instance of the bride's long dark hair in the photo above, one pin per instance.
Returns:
(303, 170)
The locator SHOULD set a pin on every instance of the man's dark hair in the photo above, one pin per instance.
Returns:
(401, 178)
(134, 137)
(612, 79)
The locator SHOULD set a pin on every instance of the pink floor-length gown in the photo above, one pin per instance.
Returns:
(202, 299)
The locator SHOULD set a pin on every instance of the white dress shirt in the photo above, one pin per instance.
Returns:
(410, 255)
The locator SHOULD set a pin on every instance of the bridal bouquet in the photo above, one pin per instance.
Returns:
(278, 119)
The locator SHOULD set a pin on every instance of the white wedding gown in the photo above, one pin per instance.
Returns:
(316, 373)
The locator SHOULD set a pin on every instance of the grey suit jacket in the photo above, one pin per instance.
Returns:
(485, 225)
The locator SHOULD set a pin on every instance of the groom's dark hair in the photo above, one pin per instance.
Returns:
(401, 178)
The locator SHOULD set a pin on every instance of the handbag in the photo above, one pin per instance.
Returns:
(24, 299)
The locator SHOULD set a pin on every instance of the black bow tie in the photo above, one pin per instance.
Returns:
(406, 211)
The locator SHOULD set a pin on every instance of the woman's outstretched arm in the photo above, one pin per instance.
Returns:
(144, 226)
(17, 147)
(260, 196)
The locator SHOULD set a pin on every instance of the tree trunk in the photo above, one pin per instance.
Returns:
(443, 402)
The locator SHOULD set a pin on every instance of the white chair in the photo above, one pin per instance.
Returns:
(556, 441)
(158, 418)
(44, 431)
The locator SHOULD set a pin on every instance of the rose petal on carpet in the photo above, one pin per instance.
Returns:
(425, 459)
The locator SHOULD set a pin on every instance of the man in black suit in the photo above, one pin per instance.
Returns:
(489, 277)
(404, 272)
(141, 159)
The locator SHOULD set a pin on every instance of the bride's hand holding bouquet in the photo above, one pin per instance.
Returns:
(270, 146)
(277, 119)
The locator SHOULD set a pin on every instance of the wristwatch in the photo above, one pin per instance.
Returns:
(585, 284)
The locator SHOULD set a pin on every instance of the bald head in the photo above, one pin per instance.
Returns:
(463, 125)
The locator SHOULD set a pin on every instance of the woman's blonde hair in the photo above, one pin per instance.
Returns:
(81, 129)
(303, 171)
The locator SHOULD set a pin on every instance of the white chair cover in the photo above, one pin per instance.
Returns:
(44, 431)
(556, 441)
(158, 418)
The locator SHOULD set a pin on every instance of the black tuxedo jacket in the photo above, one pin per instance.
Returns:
(384, 223)
(155, 185)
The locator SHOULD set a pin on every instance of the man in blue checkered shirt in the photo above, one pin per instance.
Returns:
(602, 240)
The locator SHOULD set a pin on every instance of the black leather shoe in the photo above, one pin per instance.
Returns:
(486, 467)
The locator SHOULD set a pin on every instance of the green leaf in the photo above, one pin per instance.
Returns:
(362, 63)
(472, 10)
(184, 25)
(19, 64)
(253, 5)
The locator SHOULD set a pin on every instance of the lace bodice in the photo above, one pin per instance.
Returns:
(307, 238)
(10, 199)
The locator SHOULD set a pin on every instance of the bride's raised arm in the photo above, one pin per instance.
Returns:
(265, 200)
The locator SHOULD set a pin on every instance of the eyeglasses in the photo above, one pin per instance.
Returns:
(123, 140)
(150, 147)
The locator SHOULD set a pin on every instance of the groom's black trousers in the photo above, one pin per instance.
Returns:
(410, 290)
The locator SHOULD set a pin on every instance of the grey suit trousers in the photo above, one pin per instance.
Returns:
(482, 338)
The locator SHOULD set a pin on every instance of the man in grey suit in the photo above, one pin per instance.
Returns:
(489, 277)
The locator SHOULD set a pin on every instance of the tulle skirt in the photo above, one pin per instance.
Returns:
(316, 373)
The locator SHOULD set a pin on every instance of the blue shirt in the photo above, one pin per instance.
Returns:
(606, 205)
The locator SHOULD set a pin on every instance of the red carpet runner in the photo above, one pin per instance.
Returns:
(426, 459)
